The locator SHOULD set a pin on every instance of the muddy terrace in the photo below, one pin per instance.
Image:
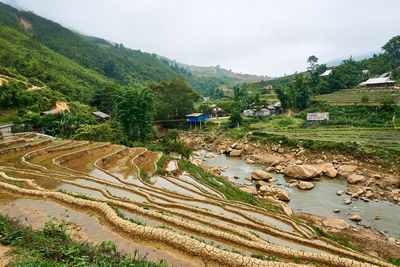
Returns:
(103, 189)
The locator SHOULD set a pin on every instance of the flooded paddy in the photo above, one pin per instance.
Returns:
(165, 222)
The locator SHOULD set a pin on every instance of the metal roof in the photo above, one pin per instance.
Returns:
(386, 75)
(194, 115)
(377, 81)
(101, 114)
(6, 125)
(54, 111)
(326, 73)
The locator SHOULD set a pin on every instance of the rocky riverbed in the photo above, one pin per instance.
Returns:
(365, 179)
(350, 198)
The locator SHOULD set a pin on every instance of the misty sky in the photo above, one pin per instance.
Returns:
(249, 36)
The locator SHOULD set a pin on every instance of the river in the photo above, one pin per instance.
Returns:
(321, 200)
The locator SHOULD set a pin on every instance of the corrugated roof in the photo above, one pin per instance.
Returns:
(326, 73)
(194, 115)
(54, 111)
(386, 75)
(101, 114)
(6, 125)
(377, 81)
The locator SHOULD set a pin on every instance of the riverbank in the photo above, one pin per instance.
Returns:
(366, 179)
(376, 228)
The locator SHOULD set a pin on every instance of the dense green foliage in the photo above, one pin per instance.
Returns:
(174, 98)
(52, 246)
(135, 111)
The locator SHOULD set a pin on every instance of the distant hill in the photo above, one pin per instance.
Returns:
(108, 59)
(335, 62)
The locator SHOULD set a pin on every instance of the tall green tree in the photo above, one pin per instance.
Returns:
(312, 61)
(174, 98)
(392, 47)
(135, 112)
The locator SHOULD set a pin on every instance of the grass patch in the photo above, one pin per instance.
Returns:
(53, 246)
(394, 261)
(144, 177)
(122, 216)
(160, 165)
(342, 240)
(231, 192)
(11, 183)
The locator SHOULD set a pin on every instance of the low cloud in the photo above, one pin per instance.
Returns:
(258, 37)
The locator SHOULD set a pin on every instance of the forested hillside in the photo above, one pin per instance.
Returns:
(123, 65)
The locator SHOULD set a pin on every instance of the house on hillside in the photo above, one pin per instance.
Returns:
(386, 75)
(53, 111)
(101, 115)
(195, 118)
(378, 83)
(326, 73)
(216, 109)
(256, 112)
(6, 129)
(318, 116)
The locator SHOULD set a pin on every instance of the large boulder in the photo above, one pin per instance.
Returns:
(281, 194)
(355, 179)
(260, 175)
(305, 185)
(304, 172)
(209, 155)
(235, 153)
(326, 168)
(196, 153)
(355, 218)
(335, 223)
(277, 193)
(268, 159)
(346, 170)
(248, 189)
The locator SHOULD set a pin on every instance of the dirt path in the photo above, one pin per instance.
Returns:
(4, 258)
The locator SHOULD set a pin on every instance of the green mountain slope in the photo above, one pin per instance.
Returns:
(21, 54)
(125, 66)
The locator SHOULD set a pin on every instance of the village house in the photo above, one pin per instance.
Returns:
(382, 81)
(326, 73)
(6, 129)
(256, 112)
(216, 109)
(324, 116)
(195, 118)
(53, 111)
(101, 115)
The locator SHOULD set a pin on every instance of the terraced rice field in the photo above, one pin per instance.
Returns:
(387, 138)
(175, 216)
(351, 96)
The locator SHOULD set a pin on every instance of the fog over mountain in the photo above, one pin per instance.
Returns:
(256, 37)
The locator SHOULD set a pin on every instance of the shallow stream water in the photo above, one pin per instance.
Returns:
(321, 200)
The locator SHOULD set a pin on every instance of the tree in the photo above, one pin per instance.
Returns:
(312, 61)
(174, 99)
(299, 92)
(364, 99)
(135, 112)
(392, 47)
(205, 108)
(283, 98)
(235, 117)
(106, 132)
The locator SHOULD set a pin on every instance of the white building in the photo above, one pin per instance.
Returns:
(326, 73)
(6, 129)
(256, 113)
(318, 116)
